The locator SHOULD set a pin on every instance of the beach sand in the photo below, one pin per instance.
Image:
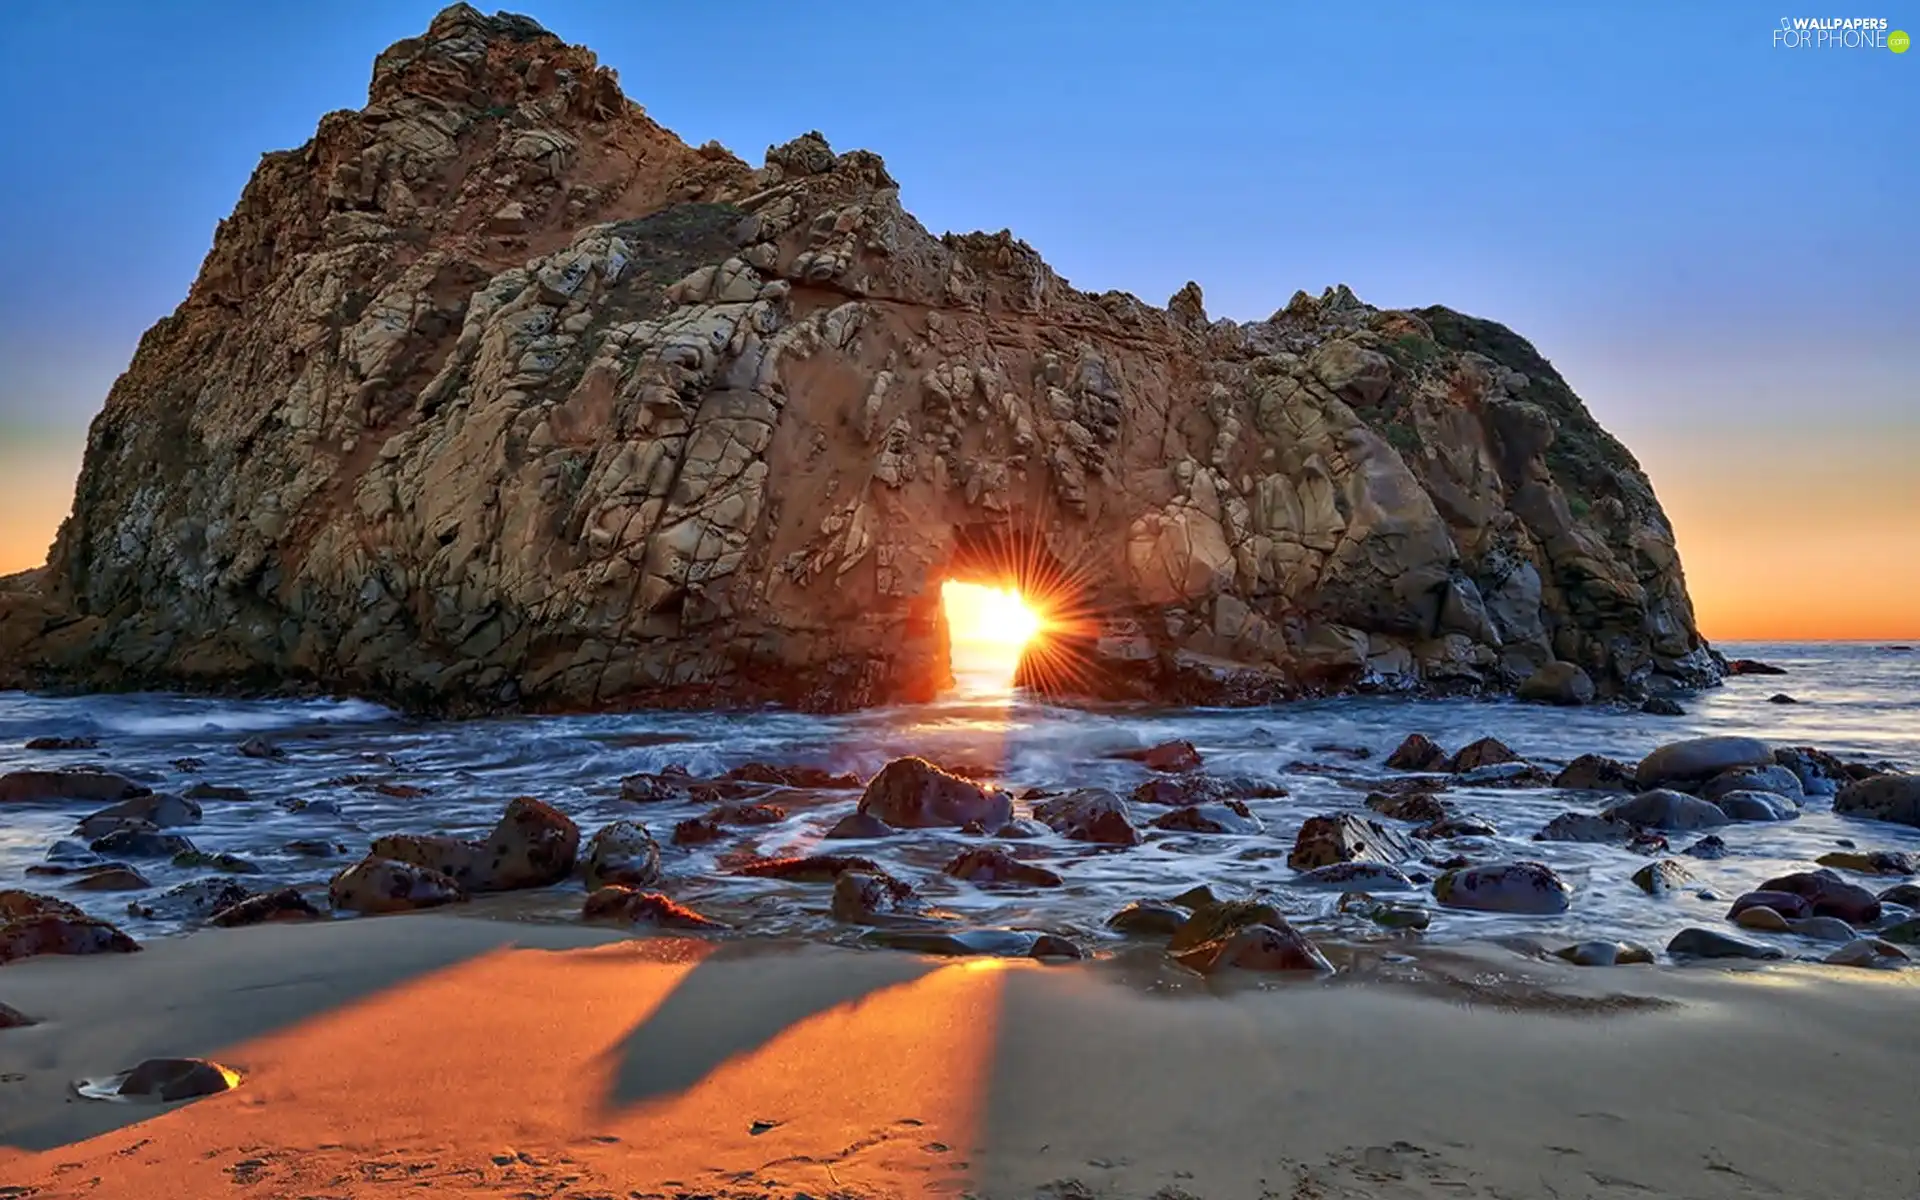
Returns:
(439, 1055)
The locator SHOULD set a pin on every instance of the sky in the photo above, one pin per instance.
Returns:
(1712, 237)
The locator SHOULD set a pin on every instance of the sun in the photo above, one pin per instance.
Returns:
(988, 629)
(983, 615)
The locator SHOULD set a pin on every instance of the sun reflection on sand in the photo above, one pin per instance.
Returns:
(638, 1062)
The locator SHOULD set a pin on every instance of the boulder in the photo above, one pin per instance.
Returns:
(1090, 815)
(1387, 914)
(859, 825)
(1605, 954)
(282, 904)
(1227, 817)
(1828, 895)
(1787, 904)
(55, 742)
(1144, 918)
(1561, 683)
(140, 841)
(194, 900)
(1872, 953)
(1171, 757)
(32, 925)
(90, 787)
(1773, 778)
(622, 852)
(697, 830)
(673, 784)
(1585, 827)
(912, 793)
(1762, 918)
(215, 791)
(1710, 847)
(385, 885)
(990, 865)
(1822, 929)
(1874, 862)
(864, 897)
(260, 747)
(1354, 877)
(1905, 933)
(971, 943)
(1595, 773)
(813, 778)
(1696, 760)
(111, 879)
(1451, 827)
(1707, 943)
(1513, 887)
(1663, 878)
(161, 1079)
(632, 906)
(1344, 837)
(1889, 797)
(1195, 787)
(1264, 947)
(533, 845)
(807, 868)
(1487, 752)
(1417, 753)
(1752, 666)
(1906, 895)
(152, 811)
(1756, 806)
(1666, 809)
(1662, 706)
(1422, 807)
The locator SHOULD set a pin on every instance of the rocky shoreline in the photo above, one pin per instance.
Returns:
(496, 396)
(1414, 857)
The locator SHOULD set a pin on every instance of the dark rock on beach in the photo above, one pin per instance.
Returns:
(912, 793)
(532, 845)
(1227, 817)
(281, 904)
(93, 787)
(1666, 809)
(1344, 837)
(1417, 753)
(857, 825)
(622, 852)
(384, 885)
(62, 743)
(1171, 757)
(32, 924)
(1890, 797)
(1562, 683)
(1595, 773)
(1707, 943)
(989, 865)
(1829, 895)
(1514, 887)
(1699, 759)
(632, 906)
(1090, 815)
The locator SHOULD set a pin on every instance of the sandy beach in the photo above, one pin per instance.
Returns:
(460, 1055)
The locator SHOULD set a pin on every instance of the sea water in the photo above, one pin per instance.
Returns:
(1858, 701)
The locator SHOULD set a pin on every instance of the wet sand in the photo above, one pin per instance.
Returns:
(433, 1055)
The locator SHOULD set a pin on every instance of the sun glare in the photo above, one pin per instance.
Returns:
(987, 628)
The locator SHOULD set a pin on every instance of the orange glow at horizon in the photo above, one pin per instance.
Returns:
(988, 628)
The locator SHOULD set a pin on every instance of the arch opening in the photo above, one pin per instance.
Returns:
(989, 628)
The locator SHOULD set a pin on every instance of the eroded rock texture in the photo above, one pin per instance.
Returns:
(496, 394)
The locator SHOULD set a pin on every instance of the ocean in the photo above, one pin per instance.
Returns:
(1856, 700)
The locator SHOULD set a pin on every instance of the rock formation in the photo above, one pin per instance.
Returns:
(495, 394)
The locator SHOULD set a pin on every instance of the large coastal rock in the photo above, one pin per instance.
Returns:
(496, 394)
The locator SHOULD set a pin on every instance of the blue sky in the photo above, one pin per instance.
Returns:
(1711, 237)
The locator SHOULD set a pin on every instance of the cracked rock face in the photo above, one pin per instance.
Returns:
(496, 394)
